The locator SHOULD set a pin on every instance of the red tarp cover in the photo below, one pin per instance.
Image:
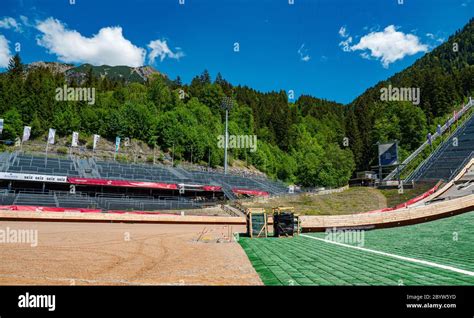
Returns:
(79, 210)
(123, 183)
(46, 209)
(250, 192)
(211, 188)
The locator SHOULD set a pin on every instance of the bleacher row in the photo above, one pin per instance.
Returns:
(34, 164)
(39, 165)
(62, 199)
(113, 170)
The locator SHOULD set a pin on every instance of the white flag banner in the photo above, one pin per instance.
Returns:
(1, 125)
(26, 133)
(75, 139)
(96, 140)
(117, 144)
(51, 135)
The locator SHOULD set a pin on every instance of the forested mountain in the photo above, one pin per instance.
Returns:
(300, 142)
(126, 74)
(80, 73)
(445, 77)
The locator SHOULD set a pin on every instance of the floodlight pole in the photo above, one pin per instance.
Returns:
(226, 139)
(227, 105)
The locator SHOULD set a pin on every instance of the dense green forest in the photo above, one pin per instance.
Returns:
(300, 142)
(445, 77)
(297, 142)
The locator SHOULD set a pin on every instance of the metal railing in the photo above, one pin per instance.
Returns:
(462, 165)
(414, 154)
(427, 163)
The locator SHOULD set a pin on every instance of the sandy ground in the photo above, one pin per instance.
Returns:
(124, 254)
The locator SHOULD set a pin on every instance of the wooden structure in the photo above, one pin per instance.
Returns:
(257, 222)
(285, 222)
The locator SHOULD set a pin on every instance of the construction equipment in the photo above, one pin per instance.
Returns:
(285, 222)
(257, 222)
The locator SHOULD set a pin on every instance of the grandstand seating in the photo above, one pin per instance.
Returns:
(74, 167)
(449, 156)
(64, 199)
(113, 170)
(144, 172)
(238, 181)
(7, 198)
(36, 199)
(42, 165)
(121, 202)
(67, 200)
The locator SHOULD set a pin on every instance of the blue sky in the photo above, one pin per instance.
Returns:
(330, 49)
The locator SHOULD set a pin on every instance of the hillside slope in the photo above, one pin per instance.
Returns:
(445, 77)
(120, 73)
(80, 73)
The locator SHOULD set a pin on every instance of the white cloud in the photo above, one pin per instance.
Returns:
(10, 23)
(343, 32)
(387, 46)
(5, 54)
(303, 53)
(365, 55)
(433, 37)
(25, 21)
(159, 48)
(108, 46)
(346, 44)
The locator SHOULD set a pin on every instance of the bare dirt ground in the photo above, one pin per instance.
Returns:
(125, 254)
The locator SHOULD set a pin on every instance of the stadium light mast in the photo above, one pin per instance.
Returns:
(226, 105)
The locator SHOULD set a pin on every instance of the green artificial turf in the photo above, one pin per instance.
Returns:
(305, 261)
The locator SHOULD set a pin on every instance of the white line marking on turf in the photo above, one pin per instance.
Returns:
(409, 259)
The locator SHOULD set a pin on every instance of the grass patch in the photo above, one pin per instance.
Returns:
(394, 198)
(350, 201)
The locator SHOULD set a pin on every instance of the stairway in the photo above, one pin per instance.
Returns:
(448, 157)
(227, 189)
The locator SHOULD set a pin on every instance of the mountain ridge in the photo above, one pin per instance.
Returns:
(79, 73)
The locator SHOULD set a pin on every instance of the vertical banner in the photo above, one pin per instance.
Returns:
(1, 125)
(75, 139)
(51, 135)
(96, 141)
(117, 144)
(26, 133)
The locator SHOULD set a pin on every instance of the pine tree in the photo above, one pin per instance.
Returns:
(15, 67)
(205, 78)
